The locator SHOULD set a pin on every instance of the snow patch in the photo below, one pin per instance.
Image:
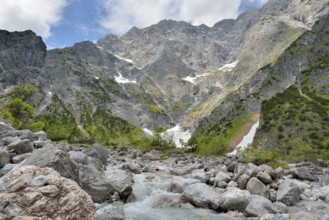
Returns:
(50, 93)
(121, 79)
(247, 139)
(192, 79)
(228, 67)
(96, 77)
(148, 131)
(177, 134)
(124, 59)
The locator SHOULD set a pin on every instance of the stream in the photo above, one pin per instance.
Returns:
(153, 201)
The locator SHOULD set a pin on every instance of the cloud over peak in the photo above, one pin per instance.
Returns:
(37, 15)
(121, 15)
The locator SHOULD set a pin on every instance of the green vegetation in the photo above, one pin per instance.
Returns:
(154, 109)
(296, 124)
(180, 106)
(17, 112)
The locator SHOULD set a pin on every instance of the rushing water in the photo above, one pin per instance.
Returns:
(151, 188)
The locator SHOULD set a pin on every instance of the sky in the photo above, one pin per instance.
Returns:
(62, 23)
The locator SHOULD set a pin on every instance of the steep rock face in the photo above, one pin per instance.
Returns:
(20, 52)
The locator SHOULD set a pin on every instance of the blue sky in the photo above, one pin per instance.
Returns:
(62, 23)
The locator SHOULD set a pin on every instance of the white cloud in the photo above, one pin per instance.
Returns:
(37, 15)
(121, 15)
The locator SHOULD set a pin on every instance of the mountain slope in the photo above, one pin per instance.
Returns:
(168, 73)
(291, 95)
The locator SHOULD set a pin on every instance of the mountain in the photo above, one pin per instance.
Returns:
(291, 96)
(157, 77)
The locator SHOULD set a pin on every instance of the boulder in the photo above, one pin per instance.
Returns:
(288, 193)
(133, 167)
(6, 168)
(184, 170)
(221, 176)
(259, 206)
(99, 152)
(302, 215)
(264, 177)
(8, 140)
(166, 201)
(274, 217)
(39, 144)
(201, 195)
(231, 166)
(198, 174)
(122, 182)
(54, 158)
(234, 199)
(303, 174)
(79, 157)
(4, 128)
(27, 134)
(243, 180)
(4, 157)
(280, 207)
(19, 158)
(325, 180)
(222, 184)
(111, 212)
(179, 184)
(256, 187)
(322, 192)
(20, 146)
(94, 183)
(31, 192)
(42, 136)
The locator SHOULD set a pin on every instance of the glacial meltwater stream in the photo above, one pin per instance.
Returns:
(154, 202)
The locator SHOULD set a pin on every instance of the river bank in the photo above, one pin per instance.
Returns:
(37, 176)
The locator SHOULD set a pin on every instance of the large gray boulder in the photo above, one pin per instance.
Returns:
(8, 140)
(201, 195)
(79, 157)
(31, 192)
(184, 170)
(288, 193)
(222, 176)
(198, 174)
(179, 184)
(52, 157)
(110, 212)
(322, 192)
(243, 180)
(20, 146)
(133, 167)
(264, 177)
(256, 187)
(259, 206)
(303, 174)
(99, 152)
(122, 182)
(234, 199)
(303, 215)
(4, 157)
(94, 183)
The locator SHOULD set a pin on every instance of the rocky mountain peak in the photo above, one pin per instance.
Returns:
(21, 48)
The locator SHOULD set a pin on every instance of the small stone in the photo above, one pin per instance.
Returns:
(222, 184)
(264, 177)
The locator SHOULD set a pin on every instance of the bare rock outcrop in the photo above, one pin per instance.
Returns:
(42, 193)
